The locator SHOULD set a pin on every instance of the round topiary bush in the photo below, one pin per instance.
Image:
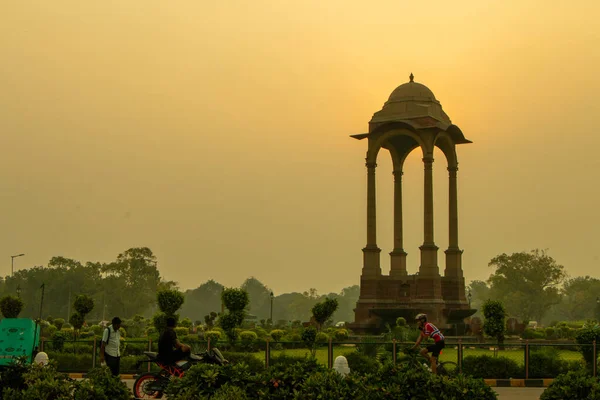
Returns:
(11, 306)
(340, 335)
(214, 336)
(277, 334)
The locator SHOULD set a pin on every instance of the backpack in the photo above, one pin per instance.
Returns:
(108, 336)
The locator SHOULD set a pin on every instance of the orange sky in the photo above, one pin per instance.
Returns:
(216, 133)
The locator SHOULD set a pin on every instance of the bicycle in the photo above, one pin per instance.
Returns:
(413, 359)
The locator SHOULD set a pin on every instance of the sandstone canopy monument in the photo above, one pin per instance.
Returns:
(412, 118)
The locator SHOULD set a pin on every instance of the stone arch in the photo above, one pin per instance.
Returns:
(445, 143)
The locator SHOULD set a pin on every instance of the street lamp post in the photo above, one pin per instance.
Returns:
(12, 263)
(271, 314)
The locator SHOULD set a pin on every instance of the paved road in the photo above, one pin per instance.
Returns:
(505, 393)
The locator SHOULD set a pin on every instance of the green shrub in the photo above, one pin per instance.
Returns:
(100, 380)
(186, 323)
(547, 363)
(574, 385)
(491, 367)
(59, 322)
(214, 336)
(340, 335)
(361, 363)
(585, 337)
(321, 337)
(286, 360)
(11, 306)
(229, 392)
(277, 334)
(248, 340)
(48, 331)
(533, 334)
(58, 340)
(182, 331)
(400, 321)
(254, 364)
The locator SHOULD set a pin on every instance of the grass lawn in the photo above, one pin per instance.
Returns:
(448, 354)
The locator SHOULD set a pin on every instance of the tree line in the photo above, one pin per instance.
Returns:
(128, 286)
(533, 286)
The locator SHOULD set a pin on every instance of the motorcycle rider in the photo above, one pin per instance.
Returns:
(170, 349)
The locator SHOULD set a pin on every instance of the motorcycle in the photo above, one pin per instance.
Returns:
(152, 385)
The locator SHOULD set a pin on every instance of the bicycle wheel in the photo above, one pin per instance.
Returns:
(447, 368)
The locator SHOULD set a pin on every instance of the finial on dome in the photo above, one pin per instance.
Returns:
(411, 77)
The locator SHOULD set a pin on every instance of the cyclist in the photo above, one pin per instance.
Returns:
(430, 330)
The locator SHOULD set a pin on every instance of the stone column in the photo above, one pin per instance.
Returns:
(429, 250)
(371, 265)
(398, 255)
(453, 254)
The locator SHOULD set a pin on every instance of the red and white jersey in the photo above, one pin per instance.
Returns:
(431, 330)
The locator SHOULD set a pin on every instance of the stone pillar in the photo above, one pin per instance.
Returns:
(453, 254)
(371, 264)
(398, 255)
(429, 266)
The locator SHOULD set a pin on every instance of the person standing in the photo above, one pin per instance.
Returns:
(110, 352)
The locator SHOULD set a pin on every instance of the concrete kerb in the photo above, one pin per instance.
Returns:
(518, 382)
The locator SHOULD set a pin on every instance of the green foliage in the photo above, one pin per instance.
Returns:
(186, 323)
(169, 301)
(214, 336)
(58, 340)
(83, 304)
(532, 334)
(254, 364)
(585, 337)
(323, 311)
(495, 319)
(526, 283)
(235, 300)
(340, 335)
(277, 334)
(491, 367)
(309, 337)
(59, 322)
(12, 377)
(321, 337)
(181, 331)
(545, 362)
(48, 331)
(76, 320)
(574, 385)
(209, 319)
(101, 384)
(248, 340)
(400, 321)
(230, 392)
(11, 306)
(361, 363)
(36, 382)
(159, 320)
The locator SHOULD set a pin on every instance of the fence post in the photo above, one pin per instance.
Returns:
(149, 349)
(93, 354)
(595, 360)
(330, 354)
(394, 356)
(527, 359)
(460, 355)
(267, 355)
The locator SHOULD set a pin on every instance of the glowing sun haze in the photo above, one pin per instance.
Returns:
(217, 132)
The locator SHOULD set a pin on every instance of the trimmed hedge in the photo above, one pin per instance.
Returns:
(491, 367)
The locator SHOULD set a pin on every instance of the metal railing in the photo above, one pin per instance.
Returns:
(82, 355)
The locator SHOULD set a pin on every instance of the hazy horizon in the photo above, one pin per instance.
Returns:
(218, 134)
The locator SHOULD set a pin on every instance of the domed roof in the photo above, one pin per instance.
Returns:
(411, 101)
(412, 91)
